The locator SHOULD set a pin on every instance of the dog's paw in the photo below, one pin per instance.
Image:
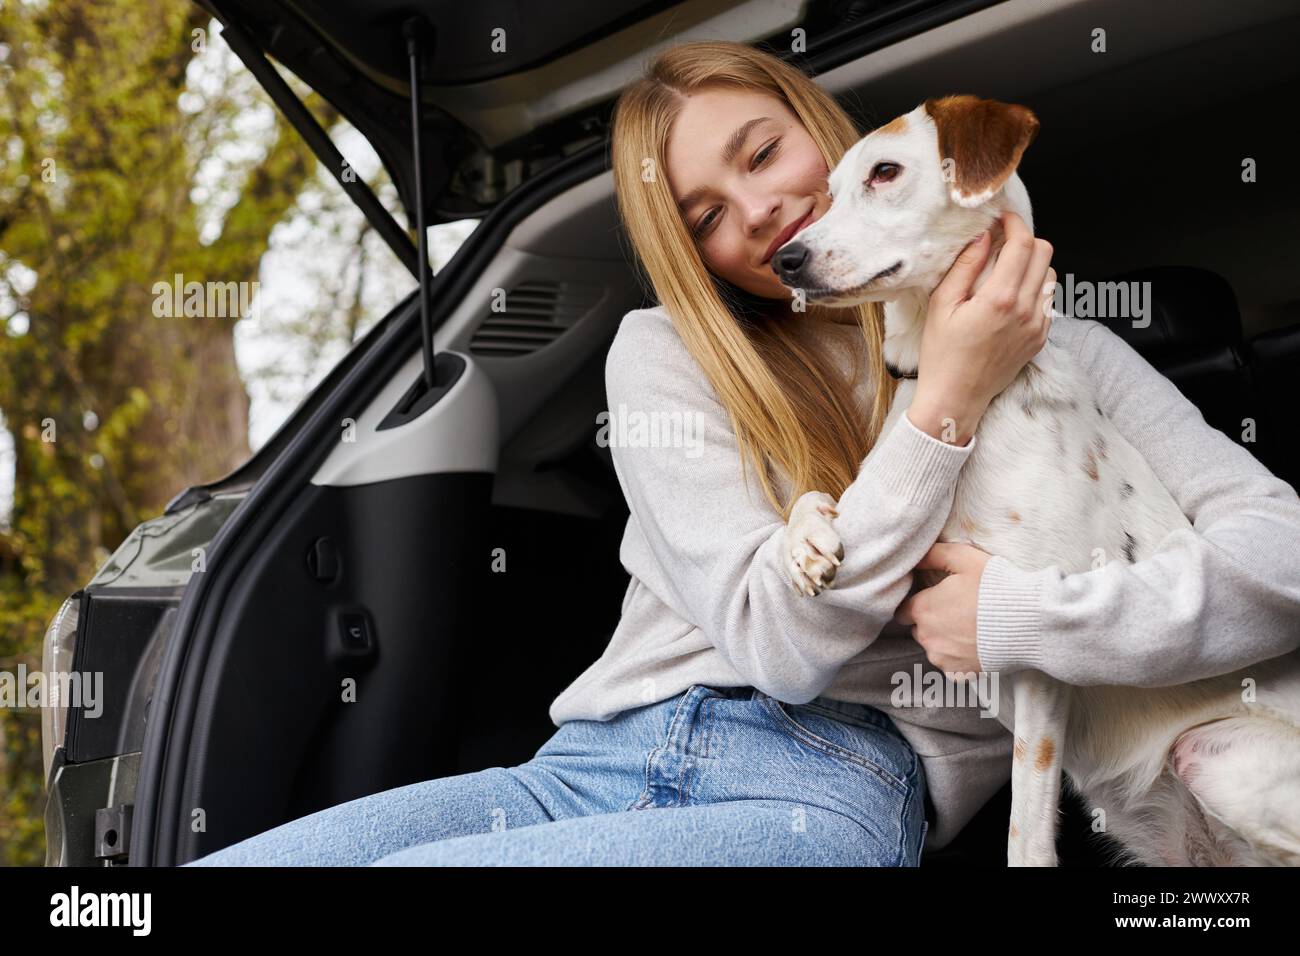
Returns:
(813, 549)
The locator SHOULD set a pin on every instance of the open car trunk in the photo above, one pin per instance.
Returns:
(355, 631)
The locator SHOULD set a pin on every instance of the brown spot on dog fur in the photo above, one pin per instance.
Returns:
(1046, 753)
(1019, 749)
(969, 525)
(1090, 465)
(1013, 515)
(896, 125)
(1013, 831)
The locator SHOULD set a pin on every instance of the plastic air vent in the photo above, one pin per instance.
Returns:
(533, 315)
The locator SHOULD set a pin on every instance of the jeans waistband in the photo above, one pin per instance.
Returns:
(849, 711)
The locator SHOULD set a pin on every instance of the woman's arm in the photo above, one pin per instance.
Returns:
(1209, 601)
(718, 546)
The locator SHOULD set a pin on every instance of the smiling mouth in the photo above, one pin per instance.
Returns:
(781, 240)
(815, 294)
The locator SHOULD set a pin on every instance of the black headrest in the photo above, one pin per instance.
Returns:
(1191, 310)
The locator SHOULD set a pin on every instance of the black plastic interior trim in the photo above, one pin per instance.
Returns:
(297, 745)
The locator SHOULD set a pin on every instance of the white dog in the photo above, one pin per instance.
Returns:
(1187, 775)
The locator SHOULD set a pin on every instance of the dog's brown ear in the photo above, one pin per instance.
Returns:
(984, 139)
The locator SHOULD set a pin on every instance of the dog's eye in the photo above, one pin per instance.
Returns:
(883, 172)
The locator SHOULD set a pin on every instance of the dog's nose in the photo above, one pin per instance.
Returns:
(788, 260)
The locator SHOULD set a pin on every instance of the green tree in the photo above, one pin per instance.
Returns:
(104, 192)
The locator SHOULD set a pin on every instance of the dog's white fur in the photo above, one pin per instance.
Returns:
(1185, 775)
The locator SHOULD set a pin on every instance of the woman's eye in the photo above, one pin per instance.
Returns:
(704, 223)
(763, 154)
(883, 172)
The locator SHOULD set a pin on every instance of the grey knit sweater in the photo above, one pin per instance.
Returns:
(709, 601)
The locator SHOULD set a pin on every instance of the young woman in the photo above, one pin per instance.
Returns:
(731, 720)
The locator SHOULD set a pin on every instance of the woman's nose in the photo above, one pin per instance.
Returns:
(759, 214)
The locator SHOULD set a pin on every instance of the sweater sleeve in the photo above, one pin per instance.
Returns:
(1210, 600)
(718, 545)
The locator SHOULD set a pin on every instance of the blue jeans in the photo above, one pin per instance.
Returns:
(712, 776)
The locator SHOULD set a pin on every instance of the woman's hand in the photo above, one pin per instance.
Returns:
(943, 617)
(973, 346)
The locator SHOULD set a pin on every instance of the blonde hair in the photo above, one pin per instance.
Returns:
(785, 409)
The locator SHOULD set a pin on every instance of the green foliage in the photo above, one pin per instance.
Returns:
(102, 194)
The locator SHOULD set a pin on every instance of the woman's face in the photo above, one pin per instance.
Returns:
(737, 205)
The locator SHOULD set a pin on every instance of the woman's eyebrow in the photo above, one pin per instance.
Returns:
(729, 151)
